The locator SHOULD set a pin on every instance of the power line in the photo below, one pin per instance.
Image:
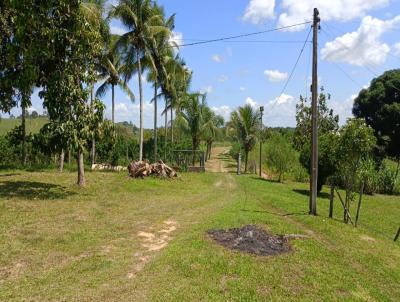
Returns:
(254, 41)
(240, 36)
(295, 66)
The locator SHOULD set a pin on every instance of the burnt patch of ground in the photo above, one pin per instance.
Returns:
(251, 239)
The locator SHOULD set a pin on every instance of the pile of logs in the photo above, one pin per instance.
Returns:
(141, 169)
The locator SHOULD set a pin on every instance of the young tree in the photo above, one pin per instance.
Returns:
(67, 65)
(279, 155)
(328, 125)
(192, 118)
(356, 143)
(212, 127)
(244, 124)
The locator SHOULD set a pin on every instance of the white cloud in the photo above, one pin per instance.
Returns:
(281, 111)
(176, 39)
(362, 47)
(223, 78)
(116, 30)
(224, 111)
(295, 11)
(397, 49)
(216, 58)
(343, 108)
(208, 89)
(276, 75)
(251, 102)
(259, 11)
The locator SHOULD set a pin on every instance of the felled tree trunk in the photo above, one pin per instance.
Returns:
(81, 170)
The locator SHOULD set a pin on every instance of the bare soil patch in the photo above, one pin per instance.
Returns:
(251, 239)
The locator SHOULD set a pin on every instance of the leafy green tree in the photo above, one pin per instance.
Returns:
(356, 143)
(67, 63)
(327, 133)
(279, 154)
(244, 125)
(379, 105)
(143, 23)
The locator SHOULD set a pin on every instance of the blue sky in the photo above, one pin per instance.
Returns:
(358, 40)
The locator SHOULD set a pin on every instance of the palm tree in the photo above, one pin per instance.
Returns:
(244, 124)
(192, 118)
(109, 73)
(161, 53)
(143, 22)
(212, 126)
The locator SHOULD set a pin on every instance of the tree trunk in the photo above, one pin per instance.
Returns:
(246, 154)
(61, 162)
(112, 104)
(81, 170)
(155, 122)
(194, 148)
(141, 105)
(209, 153)
(69, 157)
(172, 125)
(23, 126)
(93, 153)
(165, 130)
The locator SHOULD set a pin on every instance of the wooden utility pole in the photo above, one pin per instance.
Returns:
(314, 90)
(261, 129)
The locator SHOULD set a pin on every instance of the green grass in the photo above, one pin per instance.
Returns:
(33, 125)
(62, 243)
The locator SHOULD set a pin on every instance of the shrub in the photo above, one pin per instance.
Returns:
(279, 155)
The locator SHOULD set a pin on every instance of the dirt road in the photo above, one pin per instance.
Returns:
(220, 161)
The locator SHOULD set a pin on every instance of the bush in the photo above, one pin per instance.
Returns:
(369, 175)
(387, 180)
(279, 155)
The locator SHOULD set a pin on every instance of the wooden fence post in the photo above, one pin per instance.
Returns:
(397, 235)
(332, 196)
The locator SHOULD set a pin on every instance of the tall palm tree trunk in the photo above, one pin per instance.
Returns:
(172, 125)
(112, 104)
(23, 126)
(155, 122)
(141, 104)
(246, 161)
(93, 153)
(165, 130)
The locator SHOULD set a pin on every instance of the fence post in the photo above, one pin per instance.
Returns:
(397, 235)
(331, 198)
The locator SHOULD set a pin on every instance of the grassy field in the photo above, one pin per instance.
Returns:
(33, 125)
(145, 240)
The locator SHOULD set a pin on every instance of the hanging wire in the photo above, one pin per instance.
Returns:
(241, 36)
(293, 69)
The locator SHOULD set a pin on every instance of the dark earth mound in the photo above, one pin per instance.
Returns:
(251, 239)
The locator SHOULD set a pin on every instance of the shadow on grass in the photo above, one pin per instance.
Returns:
(266, 180)
(33, 190)
(323, 195)
(276, 214)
